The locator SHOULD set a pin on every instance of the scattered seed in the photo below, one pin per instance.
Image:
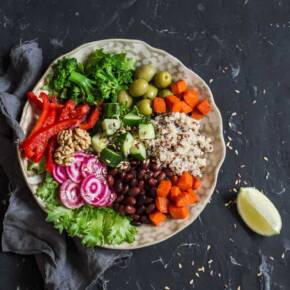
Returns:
(254, 102)
(196, 274)
(239, 133)
(266, 158)
(210, 261)
(234, 114)
(239, 288)
(229, 138)
(235, 190)
(236, 152)
(211, 272)
(192, 263)
(243, 165)
(271, 258)
(179, 266)
(235, 226)
(191, 282)
(166, 288)
(237, 91)
(210, 81)
(264, 91)
(208, 247)
(201, 269)
(259, 274)
(283, 256)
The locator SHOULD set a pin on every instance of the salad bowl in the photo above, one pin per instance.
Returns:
(211, 126)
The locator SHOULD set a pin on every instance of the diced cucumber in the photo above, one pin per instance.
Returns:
(112, 110)
(138, 151)
(110, 157)
(146, 131)
(99, 142)
(126, 141)
(132, 119)
(110, 126)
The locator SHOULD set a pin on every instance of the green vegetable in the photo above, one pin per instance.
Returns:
(110, 157)
(146, 131)
(99, 142)
(138, 151)
(126, 141)
(132, 119)
(145, 72)
(111, 126)
(68, 82)
(37, 168)
(164, 93)
(111, 73)
(112, 110)
(151, 92)
(125, 99)
(162, 79)
(138, 88)
(94, 226)
(144, 107)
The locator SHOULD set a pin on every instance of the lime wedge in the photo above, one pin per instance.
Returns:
(258, 212)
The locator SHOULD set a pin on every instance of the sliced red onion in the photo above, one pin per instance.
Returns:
(70, 195)
(94, 190)
(59, 173)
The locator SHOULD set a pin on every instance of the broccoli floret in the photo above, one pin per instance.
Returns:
(111, 72)
(69, 82)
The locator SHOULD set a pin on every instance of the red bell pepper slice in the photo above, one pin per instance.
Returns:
(49, 154)
(66, 111)
(43, 115)
(92, 120)
(51, 117)
(80, 111)
(33, 99)
(38, 142)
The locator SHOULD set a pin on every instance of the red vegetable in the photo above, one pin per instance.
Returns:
(33, 99)
(67, 110)
(43, 115)
(80, 111)
(51, 117)
(35, 145)
(92, 120)
(49, 154)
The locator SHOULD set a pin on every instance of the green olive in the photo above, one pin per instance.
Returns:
(145, 72)
(151, 92)
(162, 79)
(125, 99)
(164, 93)
(144, 107)
(138, 88)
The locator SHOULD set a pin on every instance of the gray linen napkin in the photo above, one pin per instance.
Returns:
(63, 262)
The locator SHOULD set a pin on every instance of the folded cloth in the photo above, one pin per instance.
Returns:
(63, 262)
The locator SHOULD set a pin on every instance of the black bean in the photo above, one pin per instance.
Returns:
(123, 174)
(120, 198)
(144, 220)
(129, 176)
(130, 209)
(134, 191)
(142, 192)
(150, 208)
(110, 180)
(141, 200)
(161, 176)
(126, 188)
(149, 200)
(130, 200)
(153, 191)
(118, 186)
(135, 217)
(152, 181)
(133, 182)
(114, 171)
(116, 206)
(141, 184)
(142, 173)
(168, 172)
(141, 209)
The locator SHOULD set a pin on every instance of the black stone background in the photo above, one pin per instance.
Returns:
(242, 49)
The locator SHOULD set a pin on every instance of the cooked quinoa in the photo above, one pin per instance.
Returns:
(179, 144)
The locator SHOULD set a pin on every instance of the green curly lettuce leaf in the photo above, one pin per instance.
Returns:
(95, 226)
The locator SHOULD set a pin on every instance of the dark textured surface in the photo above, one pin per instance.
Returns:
(241, 48)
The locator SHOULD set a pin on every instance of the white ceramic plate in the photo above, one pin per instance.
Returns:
(211, 126)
